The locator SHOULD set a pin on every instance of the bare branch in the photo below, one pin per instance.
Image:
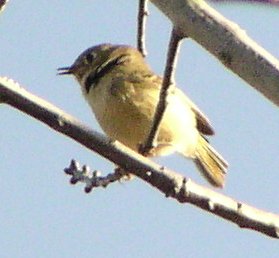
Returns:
(227, 41)
(92, 179)
(168, 80)
(170, 183)
(142, 14)
(3, 4)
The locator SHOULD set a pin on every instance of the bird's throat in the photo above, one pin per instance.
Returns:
(93, 77)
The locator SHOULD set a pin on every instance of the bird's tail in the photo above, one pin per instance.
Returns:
(210, 163)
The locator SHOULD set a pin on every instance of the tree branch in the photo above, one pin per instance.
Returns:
(226, 41)
(168, 80)
(170, 183)
(3, 4)
(142, 14)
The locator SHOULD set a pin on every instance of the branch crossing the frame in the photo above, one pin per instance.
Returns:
(170, 183)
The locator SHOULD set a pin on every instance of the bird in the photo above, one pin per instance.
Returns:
(123, 93)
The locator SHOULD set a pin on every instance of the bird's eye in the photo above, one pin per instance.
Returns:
(90, 57)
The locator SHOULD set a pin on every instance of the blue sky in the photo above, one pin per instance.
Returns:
(42, 215)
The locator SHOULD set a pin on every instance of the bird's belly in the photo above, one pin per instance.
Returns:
(130, 124)
(120, 120)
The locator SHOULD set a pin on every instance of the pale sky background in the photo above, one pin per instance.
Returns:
(42, 215)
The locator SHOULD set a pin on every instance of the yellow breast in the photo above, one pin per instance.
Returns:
(125, 113)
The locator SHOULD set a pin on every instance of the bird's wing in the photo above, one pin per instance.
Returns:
(203, 124)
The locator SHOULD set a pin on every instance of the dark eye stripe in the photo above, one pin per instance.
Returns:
(90, 81)
(94, 77)
(90, 57)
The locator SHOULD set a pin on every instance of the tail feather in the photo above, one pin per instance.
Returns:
(210, 163)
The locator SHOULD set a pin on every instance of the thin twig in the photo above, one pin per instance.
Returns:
(168, 80)
(142, 15)
(168, 182)
(92, 179)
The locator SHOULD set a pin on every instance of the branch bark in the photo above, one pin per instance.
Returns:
(173, 50)
(226, 41)
(3, 4)
(142, 15)
(168, 182)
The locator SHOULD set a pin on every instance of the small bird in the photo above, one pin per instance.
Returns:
(123, 93)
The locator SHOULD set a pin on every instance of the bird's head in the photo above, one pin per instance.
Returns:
(98, 60)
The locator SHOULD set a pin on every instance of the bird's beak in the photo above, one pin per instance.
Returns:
(65, 70)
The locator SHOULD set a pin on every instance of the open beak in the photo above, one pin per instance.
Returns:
(65, 70)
